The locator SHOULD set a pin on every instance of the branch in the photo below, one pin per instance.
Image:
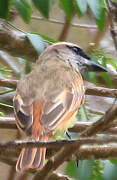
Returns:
(101, 91)
(58, 176)
(101, 124)
(99, 35)
(112, 28)
(56, 144)
(16, 43)
(11, 83)
(90, 90)
(7, 60)
(82, 126)
(85, 153)
(97, 152)
(9, 123)
(84, 26)
(65, 30)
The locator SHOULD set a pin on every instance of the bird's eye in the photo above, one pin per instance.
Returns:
(75, 49)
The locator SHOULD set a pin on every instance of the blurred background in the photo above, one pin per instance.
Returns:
(83, 22)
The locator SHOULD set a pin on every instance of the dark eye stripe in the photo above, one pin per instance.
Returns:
(78, 51)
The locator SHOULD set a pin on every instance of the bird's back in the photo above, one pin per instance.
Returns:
(47, 79)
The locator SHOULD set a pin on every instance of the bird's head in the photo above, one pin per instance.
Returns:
(73, 56)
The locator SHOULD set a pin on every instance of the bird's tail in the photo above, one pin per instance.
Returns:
(31, 158)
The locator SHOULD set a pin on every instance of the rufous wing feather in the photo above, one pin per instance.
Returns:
(33, 158)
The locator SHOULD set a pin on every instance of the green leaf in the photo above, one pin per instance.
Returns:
(85, 169)
(97, 172)
(98, 8)
(95, 6)
(36, 41)
(48, 39)
(27, 67)
(6, 105)
(44, 6)
(114, 161)
(24, 8)
(101, 20)
(82, 114)
(4, 8)
(110, 171)
(107, 79)
(71, 169)
(82, 5)
(92, 77)
(111, 61)
(68, 8)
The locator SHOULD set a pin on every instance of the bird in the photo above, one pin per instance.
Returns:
(47, 99)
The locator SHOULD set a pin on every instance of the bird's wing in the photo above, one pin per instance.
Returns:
(49, 112)
(23, 114)
(59, 107)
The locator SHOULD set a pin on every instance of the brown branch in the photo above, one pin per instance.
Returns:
(16, 43)
(101, 91)
(8, 61)
(11, 83)
(99, 35)
(65, 30)
(24, 176)
(56, 144)
(97, 152)
(101, 124)
(12, 173)
(84, 26)
(82, 126)
(8, 161)
(85, 153)
(62, 155)
(90, 90)
(55, 176)
(9, 123)
(93, 152)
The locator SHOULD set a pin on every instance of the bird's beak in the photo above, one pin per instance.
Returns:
(92, 66)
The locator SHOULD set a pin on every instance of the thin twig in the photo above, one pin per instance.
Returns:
(103, 151)
(112, 28)
(98, 152)
(12, 173)
(11, 83)
(84, 26)
(9, 123)
(99, 35)
(57, 143)
(65, 30)
(101, 91)
(6, 60)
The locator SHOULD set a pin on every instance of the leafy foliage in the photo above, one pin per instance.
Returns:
(81, 6)
(36, 41)
(44, 6)
(4, 9)
(24, 8)
(69, 7)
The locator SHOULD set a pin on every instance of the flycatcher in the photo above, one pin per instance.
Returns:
(48, 98)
